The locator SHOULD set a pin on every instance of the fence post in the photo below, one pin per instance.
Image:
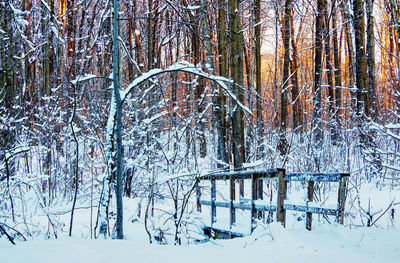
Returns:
(341, 199)
(241, 188)
(280, 209)
(198, 195)
(310, 195)
(213, 199)
(232, 212)
(260, 191)
(254, 196)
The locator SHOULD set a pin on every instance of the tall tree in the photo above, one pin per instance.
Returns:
(350, 44)
(259, 95)
(330, 70)
(298, 125)
(117, 104)
(283, 144)
(236, 58)
(371, 56)
(363, 102)
(199, 86)
(8, 80)
(150, 35)
(319, 37)
(395, 14)
(338, 81)
(220, 109)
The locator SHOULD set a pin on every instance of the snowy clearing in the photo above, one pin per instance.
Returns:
(328, 243)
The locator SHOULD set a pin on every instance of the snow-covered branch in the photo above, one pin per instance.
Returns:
(87, 78)
(188, 68)
(13, 152)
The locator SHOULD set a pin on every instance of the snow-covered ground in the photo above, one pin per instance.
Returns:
(327, 243)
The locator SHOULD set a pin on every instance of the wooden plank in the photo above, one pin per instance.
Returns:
(316, 177)
(243, 206)
(280, 210)
(218, 233)
(217, 204)
(310, 195)
(258, 207)
(269, 208)
(311, 209)
(246, 174)
(342, 192)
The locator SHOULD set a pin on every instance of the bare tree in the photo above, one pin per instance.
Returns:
(283, 144)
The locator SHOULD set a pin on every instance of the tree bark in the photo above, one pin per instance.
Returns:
(329, 73)
(394, 7)
(236, 40)
(150, 36)
(363, 102)
(371, 57)
(259, 118)
(350, 50)
(118, 131)
(220, 113)
(338, 81)
(199, 87)
(317, 98)
(283, 144)
(298, 125)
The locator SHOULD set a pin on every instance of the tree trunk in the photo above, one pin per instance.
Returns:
(338, 82)
(276, 104)
(298, 125)
(236, 40)
(220, 113)
(118, 131)
(76, 163)
(350, 50)
(371, 57)
(70, 36)
(150, 37)
(363, 103)
(249, 73)
(199, 87)
(319, 36)
(283, 144)
(259, 118)
(394, 7)
(329, 74)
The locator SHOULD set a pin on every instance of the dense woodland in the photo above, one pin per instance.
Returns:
(199, 85)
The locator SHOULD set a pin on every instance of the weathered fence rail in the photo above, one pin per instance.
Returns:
(311, 178)
(256, 177)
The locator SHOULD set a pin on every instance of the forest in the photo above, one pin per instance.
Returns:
(110, 110)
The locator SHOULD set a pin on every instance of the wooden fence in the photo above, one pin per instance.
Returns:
(257, 177)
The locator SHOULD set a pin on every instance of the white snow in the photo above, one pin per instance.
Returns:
(193, 7)
(83, 78)
(329, 243)
(155, 117)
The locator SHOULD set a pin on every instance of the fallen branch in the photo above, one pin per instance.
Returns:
(2, 230)
(387, 209)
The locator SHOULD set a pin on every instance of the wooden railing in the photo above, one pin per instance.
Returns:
(256, 177)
